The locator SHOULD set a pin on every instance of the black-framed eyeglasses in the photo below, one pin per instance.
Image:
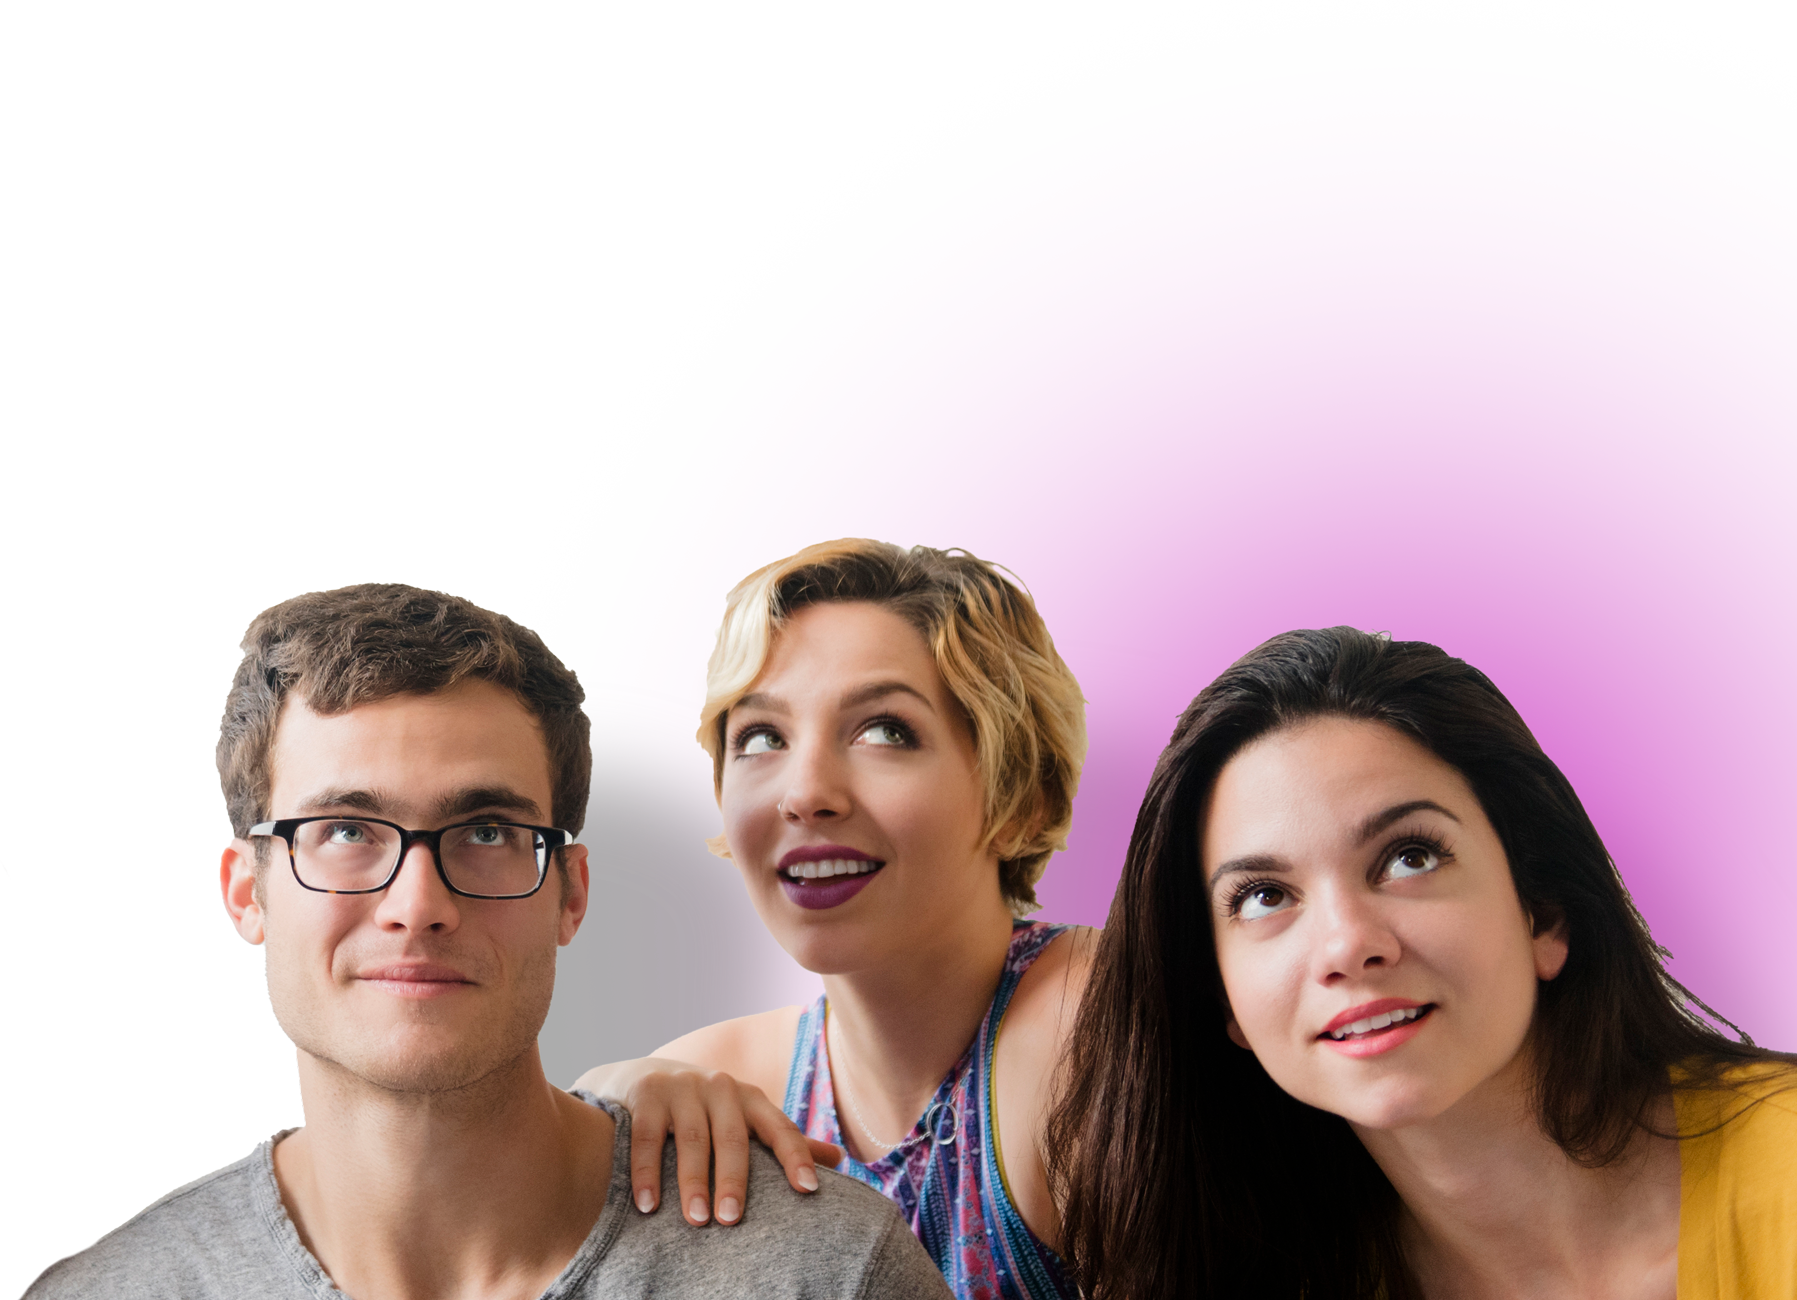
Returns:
(362, 855)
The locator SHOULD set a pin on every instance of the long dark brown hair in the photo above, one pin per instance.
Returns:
(1181, 1167)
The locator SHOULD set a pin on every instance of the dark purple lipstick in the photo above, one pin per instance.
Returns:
(826, 875)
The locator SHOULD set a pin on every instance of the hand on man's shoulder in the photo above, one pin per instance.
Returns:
(843, 1240)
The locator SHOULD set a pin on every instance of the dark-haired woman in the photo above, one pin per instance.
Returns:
(1373, 1015)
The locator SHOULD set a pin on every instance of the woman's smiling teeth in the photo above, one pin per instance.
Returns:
(1384, 1020)
(830, 867)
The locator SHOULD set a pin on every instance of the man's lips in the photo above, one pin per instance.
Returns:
(416, 979)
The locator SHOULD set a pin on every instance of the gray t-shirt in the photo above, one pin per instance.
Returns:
(228, 1237)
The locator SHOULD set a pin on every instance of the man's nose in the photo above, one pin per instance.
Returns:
(417, 899)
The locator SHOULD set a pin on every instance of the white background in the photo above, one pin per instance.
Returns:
(584, 312)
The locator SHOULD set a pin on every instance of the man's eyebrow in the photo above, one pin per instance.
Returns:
(1397, 812)
(373, 802)
(875, 690)
(485, 798)
(462, 803)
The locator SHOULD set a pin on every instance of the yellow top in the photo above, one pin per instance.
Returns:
(1737, 1224)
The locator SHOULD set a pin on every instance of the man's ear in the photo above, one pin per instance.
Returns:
(237, 881)
(577, 894)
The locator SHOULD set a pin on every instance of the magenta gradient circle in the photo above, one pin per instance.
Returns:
(1519, 391)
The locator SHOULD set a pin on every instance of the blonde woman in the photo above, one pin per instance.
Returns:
(895, 747)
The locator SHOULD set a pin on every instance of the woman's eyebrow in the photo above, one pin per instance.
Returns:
(874, 690)
(1259, 862)
(1397, 812)
(1252, 862)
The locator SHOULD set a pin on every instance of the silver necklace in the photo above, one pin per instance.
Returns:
(931, 1117)
(869, 1133)
(853, 1108)
(865, 1130)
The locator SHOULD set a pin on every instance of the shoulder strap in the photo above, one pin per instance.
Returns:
(1032, 1268)
(806, 1041)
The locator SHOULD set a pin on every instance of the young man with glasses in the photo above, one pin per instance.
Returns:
(405, 773)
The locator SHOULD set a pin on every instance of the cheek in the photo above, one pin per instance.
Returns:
(952, 796)
(1258, 985)
(306, 933)
(299, 973)
(523, 962)
(1486, 965)
(748, 821)
(933, 818)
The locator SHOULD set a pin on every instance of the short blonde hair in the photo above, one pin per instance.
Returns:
(995, 656)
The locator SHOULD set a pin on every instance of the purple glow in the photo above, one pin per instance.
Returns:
(1532, 406)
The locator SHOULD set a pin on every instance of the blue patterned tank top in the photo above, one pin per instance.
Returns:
(946, 1177)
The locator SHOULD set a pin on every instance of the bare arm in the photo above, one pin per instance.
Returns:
(1026, 1071)
(711, 1089)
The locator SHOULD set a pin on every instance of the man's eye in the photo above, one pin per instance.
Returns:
(1262, 900)
(1411, 860)
(760, 742)
(885, 733)
(348, 833)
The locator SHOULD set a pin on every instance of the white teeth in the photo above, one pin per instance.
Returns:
(1383, 1020)
(828, 867)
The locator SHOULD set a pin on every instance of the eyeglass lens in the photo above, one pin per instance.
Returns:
(484, 858)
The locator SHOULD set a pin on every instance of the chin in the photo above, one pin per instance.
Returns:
(427, 1068)
(419, 1056)
(829, 946)
(1388, 1104)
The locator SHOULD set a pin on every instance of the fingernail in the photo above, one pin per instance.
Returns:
(696, 1211)
(808, 1179)
(728, 1210)
(645, 1200)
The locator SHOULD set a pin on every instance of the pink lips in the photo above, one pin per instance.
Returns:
(416, 979)
(1373, 1042)
(820, 894)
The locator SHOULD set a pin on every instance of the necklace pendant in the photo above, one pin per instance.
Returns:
(933, 1127)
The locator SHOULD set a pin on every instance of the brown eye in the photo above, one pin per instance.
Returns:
(1412, 860)
(1262, 900)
